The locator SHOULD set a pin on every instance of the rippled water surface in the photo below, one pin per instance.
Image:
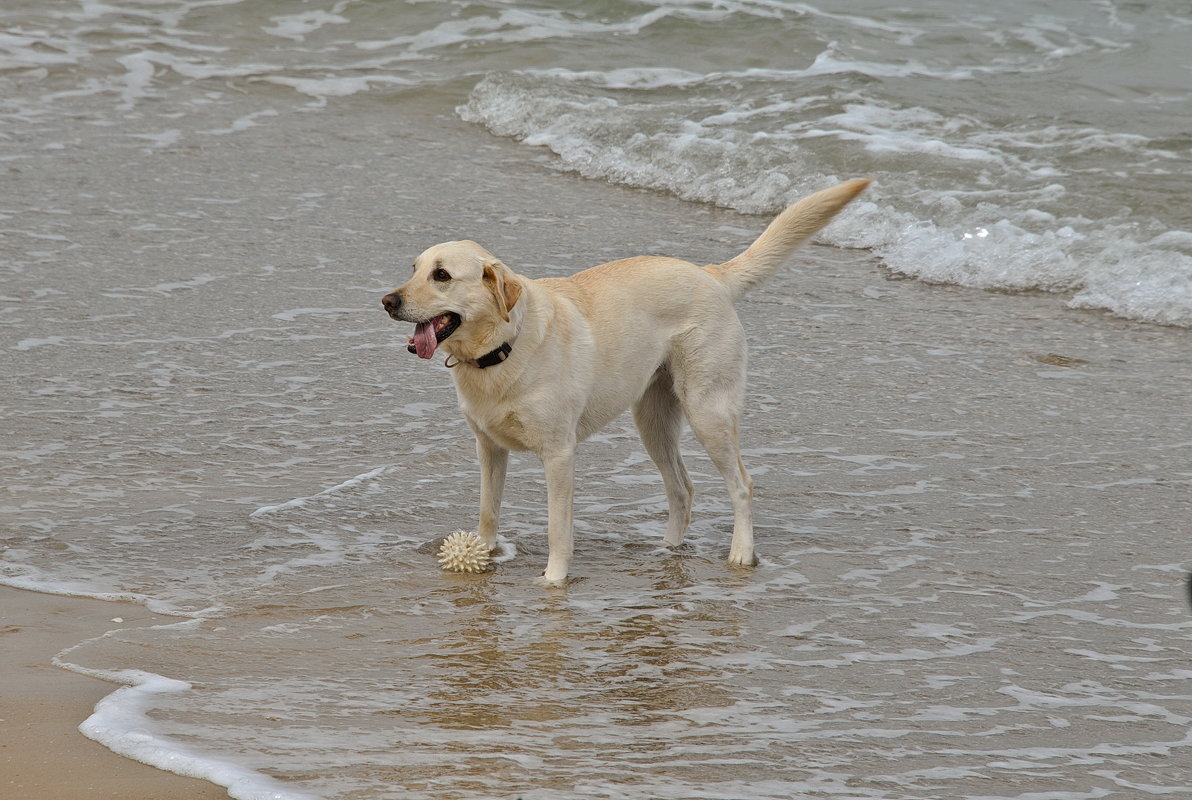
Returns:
(972, 508)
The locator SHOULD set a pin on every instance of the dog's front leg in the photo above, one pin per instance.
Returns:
(560, 498)
(494, 461)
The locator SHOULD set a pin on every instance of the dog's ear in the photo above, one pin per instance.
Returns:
(505, 287)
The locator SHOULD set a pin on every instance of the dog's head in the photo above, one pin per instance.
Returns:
(459, 291)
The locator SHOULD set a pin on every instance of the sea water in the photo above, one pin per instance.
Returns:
(209, 415)
(1015, 145)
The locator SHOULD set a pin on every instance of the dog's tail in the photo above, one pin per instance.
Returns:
(789, 230)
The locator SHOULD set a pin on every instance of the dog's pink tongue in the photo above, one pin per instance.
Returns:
(425, 340)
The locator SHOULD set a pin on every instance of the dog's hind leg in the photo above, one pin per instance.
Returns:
(717, 431)
(711, 391)
(659, 419)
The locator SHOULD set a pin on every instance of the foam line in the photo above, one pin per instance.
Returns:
(299, 502)
(121, 723)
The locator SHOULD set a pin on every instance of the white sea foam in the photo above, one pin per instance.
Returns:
(297, 26)
(21, 577)
(300, 502)
(121, 723)
(243, 123)
(323, 88)
(140, 68)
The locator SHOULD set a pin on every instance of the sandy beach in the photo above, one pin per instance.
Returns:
(42, 754)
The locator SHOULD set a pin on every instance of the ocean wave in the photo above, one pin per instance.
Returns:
(954, 200)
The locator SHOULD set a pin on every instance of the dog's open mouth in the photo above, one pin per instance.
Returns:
(427, 335)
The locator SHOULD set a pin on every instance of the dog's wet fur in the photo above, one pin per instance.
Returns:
(540, 365)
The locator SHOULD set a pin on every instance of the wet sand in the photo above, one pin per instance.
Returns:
(42, 754)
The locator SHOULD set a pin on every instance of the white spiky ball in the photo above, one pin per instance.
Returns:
(463, 551)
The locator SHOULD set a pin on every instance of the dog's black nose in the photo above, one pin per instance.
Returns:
(392, 302)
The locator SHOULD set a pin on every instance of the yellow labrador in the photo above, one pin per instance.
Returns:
(541, 365)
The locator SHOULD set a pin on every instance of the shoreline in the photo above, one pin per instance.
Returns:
(43, 756)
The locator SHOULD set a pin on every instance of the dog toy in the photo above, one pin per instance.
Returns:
(463, 551)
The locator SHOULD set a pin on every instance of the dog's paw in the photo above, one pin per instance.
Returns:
(745, 559)
(551, 583)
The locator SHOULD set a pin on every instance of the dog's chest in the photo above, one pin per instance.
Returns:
(509, 431)
(505, 424)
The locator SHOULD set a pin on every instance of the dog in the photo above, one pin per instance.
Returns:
(541, 365)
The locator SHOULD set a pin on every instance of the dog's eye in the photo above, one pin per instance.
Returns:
(441, 274)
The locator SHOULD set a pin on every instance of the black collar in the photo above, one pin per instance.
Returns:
(492, 357)
(495, 357)
(487, 360)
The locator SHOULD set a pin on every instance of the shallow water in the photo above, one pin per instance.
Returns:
(972, 507)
